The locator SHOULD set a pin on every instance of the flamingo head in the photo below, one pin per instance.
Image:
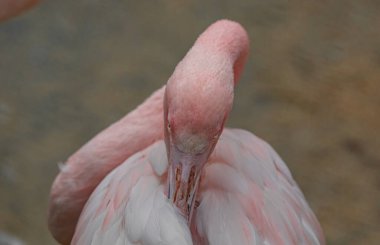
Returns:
(196, 108)
(198, 99)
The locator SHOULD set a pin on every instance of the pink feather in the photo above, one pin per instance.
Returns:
(112, 190)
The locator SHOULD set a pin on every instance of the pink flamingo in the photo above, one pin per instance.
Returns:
(210, 186)
(10, 8)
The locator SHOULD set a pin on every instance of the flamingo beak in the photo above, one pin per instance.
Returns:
(183, 177)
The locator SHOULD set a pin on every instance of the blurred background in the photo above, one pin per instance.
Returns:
(311, 88)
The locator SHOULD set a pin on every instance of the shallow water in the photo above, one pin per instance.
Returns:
(311, 89)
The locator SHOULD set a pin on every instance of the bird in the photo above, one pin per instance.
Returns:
(169, 172)
(11, 8)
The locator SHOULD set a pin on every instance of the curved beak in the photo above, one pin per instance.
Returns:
(183, 179)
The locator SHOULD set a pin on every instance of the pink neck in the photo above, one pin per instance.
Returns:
(87, 167)
(230, 38)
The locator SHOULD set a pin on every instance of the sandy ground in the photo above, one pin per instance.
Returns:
(311, 88)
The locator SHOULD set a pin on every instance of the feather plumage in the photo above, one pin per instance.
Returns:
(247, 196)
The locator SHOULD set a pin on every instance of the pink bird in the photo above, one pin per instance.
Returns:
(169, 173)
(10, 8)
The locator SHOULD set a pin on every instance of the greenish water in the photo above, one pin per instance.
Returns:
(311, 89)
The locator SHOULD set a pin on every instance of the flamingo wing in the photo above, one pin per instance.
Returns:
(248, 196)
(130, 206)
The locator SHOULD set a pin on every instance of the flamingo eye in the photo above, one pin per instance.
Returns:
(169, 127)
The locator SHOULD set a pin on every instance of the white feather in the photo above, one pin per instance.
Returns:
(247, 196)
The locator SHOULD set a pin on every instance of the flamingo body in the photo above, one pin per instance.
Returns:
(247, 196)
(169, 173)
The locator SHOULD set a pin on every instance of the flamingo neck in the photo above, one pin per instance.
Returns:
(230, 39)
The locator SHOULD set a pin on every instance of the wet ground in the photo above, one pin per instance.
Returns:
(311, 88)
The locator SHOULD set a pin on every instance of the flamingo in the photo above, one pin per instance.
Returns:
(170, 173)
(10, 8)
